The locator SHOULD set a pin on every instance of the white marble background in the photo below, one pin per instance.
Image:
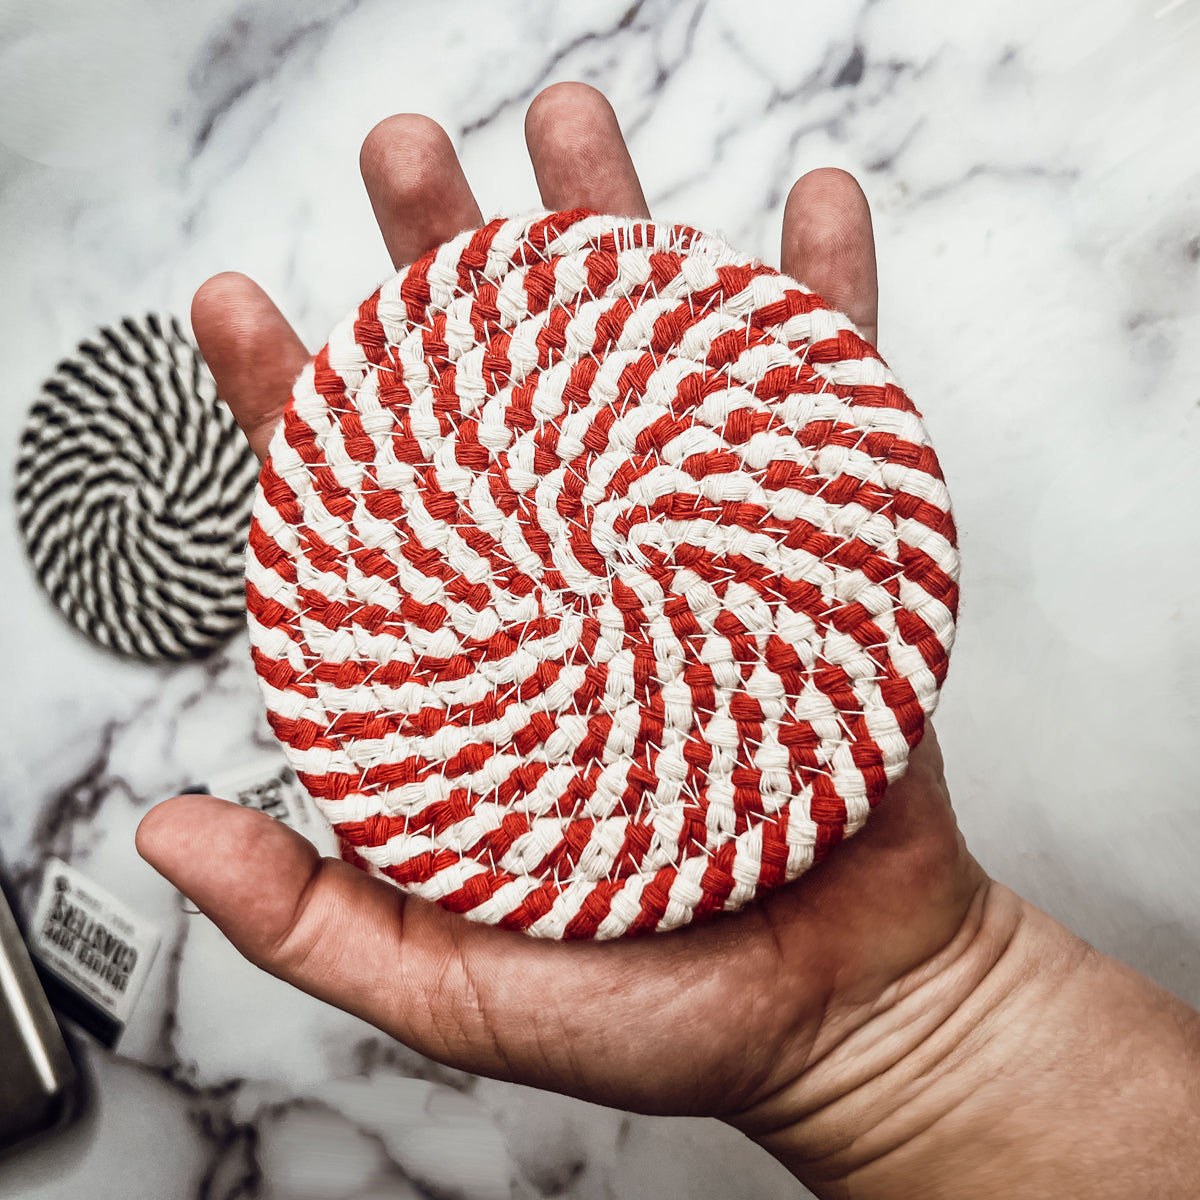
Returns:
(1035, 176)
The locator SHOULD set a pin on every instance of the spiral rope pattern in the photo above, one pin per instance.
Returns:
(134, 492)
(599, 577)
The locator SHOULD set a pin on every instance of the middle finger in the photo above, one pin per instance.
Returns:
(417, 187)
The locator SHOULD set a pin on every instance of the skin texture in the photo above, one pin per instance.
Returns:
(826, 1020)
(721, 1038)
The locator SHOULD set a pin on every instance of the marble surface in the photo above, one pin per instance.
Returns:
(1036, 190)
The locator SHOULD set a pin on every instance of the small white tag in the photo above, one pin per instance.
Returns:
(92, 941)
(271, 786)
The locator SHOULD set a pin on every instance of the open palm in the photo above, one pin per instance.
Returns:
(716, 1019)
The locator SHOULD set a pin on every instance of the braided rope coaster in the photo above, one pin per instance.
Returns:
(599, 577)
(134, 491)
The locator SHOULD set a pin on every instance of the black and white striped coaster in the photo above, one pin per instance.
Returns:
(134, 491)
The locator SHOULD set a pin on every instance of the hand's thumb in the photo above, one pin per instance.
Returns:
(316, 922)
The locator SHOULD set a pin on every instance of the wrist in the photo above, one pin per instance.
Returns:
(1017, 1062)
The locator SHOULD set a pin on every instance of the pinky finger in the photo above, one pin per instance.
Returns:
(829, 245)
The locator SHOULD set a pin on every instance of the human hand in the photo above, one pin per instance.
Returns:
(731, 1018)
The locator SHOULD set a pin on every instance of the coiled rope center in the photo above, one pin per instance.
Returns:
(600, 577)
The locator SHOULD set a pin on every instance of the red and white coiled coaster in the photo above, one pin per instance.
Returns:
(600, 577)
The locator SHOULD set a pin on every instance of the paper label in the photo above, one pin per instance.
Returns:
(271, 786)
(92, 941)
